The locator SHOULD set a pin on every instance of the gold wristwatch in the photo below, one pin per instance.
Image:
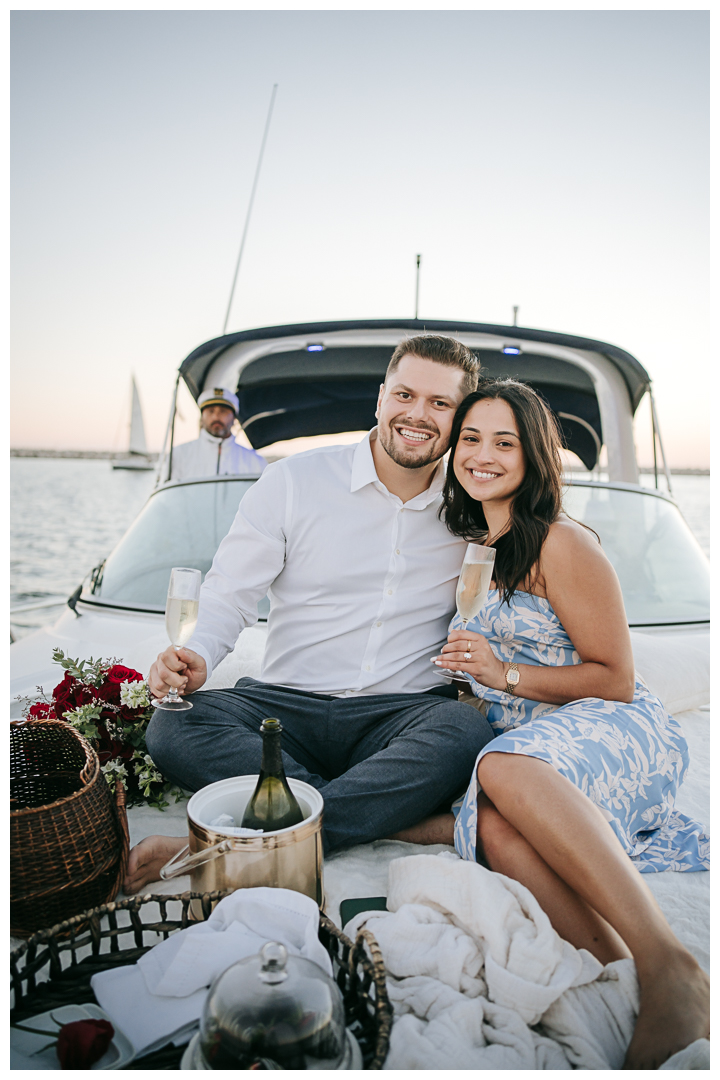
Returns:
(512, 678)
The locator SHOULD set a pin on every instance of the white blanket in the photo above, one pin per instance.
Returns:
(480, 980)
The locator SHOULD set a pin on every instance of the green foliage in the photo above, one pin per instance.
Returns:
(91, 672)
(82, 719)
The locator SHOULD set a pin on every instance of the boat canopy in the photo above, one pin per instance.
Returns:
(323, 378)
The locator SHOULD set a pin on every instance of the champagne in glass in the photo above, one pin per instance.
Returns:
(474, 581)
(472, 589)
(181, 616)
(273, 805)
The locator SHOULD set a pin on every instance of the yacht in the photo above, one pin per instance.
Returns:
(322, 379)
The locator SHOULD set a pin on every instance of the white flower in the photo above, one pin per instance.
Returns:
(114, 770)
(134, 695)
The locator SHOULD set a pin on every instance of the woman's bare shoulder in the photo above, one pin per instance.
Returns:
(569, 539)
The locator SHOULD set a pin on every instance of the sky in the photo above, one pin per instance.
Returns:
(554, 160)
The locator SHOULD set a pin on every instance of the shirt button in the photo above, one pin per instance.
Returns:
(397, 551)
(389, 592)
(378, 624)
(367, 667)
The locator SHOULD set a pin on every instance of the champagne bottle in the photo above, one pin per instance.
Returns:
(273, 805)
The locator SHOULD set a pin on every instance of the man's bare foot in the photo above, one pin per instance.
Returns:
(439, 829)
(147, 859)
(674, 1012)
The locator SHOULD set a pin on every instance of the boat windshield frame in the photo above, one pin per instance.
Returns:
(568, 481)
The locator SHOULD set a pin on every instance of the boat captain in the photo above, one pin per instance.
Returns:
(215, 452)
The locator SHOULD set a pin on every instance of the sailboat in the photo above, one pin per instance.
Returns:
(137, 457)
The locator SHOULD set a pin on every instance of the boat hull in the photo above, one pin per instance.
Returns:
(134, 466)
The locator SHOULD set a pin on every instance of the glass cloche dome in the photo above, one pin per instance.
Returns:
(274, 1011)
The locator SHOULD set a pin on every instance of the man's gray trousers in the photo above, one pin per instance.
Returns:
(383, 762)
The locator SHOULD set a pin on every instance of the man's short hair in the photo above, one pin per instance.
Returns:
(441, 350)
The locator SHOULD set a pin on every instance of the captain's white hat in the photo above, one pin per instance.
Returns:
(219, 395)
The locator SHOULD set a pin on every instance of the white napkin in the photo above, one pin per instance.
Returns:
(226, 822)
(155, 1000)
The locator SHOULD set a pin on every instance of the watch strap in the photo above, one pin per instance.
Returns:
(510, 685)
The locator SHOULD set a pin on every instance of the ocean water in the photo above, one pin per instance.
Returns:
(68, 514)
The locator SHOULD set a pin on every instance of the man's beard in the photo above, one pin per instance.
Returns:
(406, 458)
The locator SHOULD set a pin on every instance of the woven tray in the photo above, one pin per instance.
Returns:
(54, 967)
(68, 834)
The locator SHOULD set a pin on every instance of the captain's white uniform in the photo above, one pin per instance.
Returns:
(209, 455)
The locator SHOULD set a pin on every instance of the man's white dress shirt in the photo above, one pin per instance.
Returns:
(210, 456)
(361, 585)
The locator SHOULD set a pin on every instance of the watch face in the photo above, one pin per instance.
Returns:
(513, 677)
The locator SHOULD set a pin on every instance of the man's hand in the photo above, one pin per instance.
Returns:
(181, 668)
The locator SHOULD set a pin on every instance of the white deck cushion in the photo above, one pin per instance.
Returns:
(676, 667)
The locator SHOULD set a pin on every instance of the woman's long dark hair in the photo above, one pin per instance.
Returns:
(536, 503)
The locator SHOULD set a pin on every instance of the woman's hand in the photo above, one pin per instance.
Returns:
(471, 653)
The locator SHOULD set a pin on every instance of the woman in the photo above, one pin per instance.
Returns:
(566, 792)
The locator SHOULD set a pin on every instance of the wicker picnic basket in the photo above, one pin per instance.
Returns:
(68, 834)
(54, 967)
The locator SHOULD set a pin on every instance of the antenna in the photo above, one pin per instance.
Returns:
(250, 204)
(417, 284)
(515, 311)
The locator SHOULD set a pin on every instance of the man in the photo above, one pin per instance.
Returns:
(215, 452)
(361, 575)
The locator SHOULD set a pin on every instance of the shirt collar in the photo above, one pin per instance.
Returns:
(363, 466)
(214, 439)
(364, 473)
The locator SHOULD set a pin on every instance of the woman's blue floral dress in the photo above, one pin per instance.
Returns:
(629, 759)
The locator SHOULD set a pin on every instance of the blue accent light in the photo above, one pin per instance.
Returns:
(315, 348)
(511, 350)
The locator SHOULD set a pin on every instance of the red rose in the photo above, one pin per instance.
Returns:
(41, 711)
(69, 694)
(131, 716)
(121, 674)
(83, 1042)
(118, 673)
(83, 695)
(109, 691)
(67, 684)
(63, 694)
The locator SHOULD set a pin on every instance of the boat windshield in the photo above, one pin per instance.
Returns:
(180, 525)
(664, 575)
(663, 572)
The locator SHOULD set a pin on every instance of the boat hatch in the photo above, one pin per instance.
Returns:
(663, 572)
(323, 378)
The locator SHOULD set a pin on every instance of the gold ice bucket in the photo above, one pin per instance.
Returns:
(287, 859)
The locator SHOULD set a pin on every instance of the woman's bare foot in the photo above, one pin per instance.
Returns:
(147, 859)
(674, 1012)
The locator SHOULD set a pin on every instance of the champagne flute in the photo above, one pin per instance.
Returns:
(472, 590)
(181, 616)
(474, 581)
